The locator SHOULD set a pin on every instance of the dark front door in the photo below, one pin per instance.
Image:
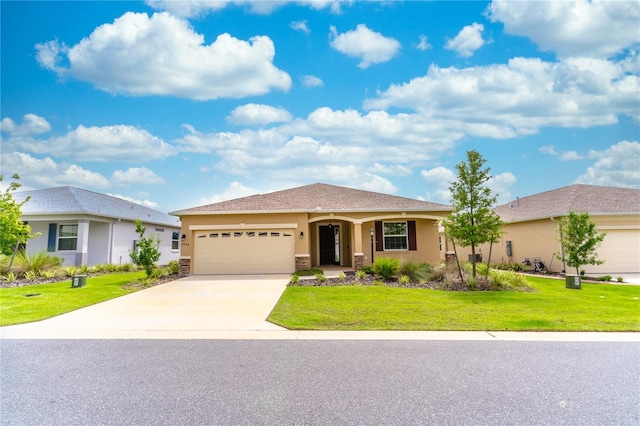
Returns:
(328, 245)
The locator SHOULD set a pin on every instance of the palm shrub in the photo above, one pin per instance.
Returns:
(36, 262)
(386, 267)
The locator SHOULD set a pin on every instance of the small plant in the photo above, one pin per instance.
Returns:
(294, 279)
(342, 277)
(49, 274)
(70, 271)
(146, 253)
(386, 267)
(38, 261)
(605, 278)
(321, 277)
(360, 274)
(10, 277)
(174, 267)
(404, 280)
(31, 275)
(620, 279)
(126, 267)
(367, 269)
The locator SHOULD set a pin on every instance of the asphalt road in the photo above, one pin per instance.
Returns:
(284, 382)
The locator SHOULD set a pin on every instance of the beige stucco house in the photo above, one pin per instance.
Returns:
(307, 226)
(532, 229)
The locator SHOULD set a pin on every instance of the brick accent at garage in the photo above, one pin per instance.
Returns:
(185, 266)
(303, 261)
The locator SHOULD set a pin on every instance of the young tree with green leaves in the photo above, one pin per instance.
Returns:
(579, 238)
(473, 221)
(13, 231)
(146, 253)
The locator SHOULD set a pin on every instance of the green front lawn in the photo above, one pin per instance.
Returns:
(597, 307)
(49, 300)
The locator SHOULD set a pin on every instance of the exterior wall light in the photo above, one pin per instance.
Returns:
(301, 235)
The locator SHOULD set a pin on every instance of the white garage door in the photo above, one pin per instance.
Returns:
(621, 252)
(244, 252)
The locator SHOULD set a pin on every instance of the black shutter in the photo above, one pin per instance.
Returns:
(51, 243)
(411, 228)
(379, 237)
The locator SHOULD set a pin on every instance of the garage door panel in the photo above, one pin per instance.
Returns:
(621, 252)
(244, 252)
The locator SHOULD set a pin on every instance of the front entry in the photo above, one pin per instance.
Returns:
(329, 245)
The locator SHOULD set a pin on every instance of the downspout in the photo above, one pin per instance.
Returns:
(110, 248)
(564, 266)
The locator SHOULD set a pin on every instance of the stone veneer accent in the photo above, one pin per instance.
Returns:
(185, 266)
(303, 261)
(358, 261)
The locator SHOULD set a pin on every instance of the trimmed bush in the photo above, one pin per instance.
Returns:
(416, 272)
(386, 267)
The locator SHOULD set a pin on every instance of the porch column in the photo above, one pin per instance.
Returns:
(82, 245)
(358, 254)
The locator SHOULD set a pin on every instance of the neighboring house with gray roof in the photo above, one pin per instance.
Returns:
(88, 228)
(532, 228)
(307, 226)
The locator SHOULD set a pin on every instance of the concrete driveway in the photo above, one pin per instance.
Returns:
(185, 307)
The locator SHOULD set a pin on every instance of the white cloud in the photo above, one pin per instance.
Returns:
(438, 181)
(468, 40)
(233, 191)
(196, 8)
(548, 149)
(500, 185)
(311, 81)
(135, 175)
(162, 55)
(370, 46)
(572, 28)
(95, 144)
(257, 114)
(300, 26)
(520, 97)
(423, 44)
(570, 156)
(31, 125)
(145, 202)
(618, 166)
(45, 172)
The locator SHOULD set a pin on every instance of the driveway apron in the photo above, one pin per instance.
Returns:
(192, 304)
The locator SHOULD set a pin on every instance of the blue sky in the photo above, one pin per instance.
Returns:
(178, 104)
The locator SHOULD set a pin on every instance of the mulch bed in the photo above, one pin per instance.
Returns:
(135, 285)
(370, 280)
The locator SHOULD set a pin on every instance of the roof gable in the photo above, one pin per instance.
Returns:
(592, 199)
(70, 200)
(316, 197)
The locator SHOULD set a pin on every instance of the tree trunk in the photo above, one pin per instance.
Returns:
(473, 260)
(486, 277)
(453, 243)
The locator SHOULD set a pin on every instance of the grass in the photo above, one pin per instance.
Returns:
(58, 298)
(597, 307)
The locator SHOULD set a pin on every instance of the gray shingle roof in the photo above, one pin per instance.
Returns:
(315, 197)
(595, 200)
(69, 200)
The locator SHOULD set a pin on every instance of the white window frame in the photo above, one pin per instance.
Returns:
(67, 237)
(405, 235)
(175, 240)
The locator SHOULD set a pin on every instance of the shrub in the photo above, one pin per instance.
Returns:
(404, 280)
(367, 269)
(620, 279)
(321, 277)
(342, 277)
(10, 277)
(294, 279)
(414, 271)
(50, 273)
(126, 267)
(36, 262)
(360, 274)
(174, 266)
(386, 267)
(31, 275)
(605, 278)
